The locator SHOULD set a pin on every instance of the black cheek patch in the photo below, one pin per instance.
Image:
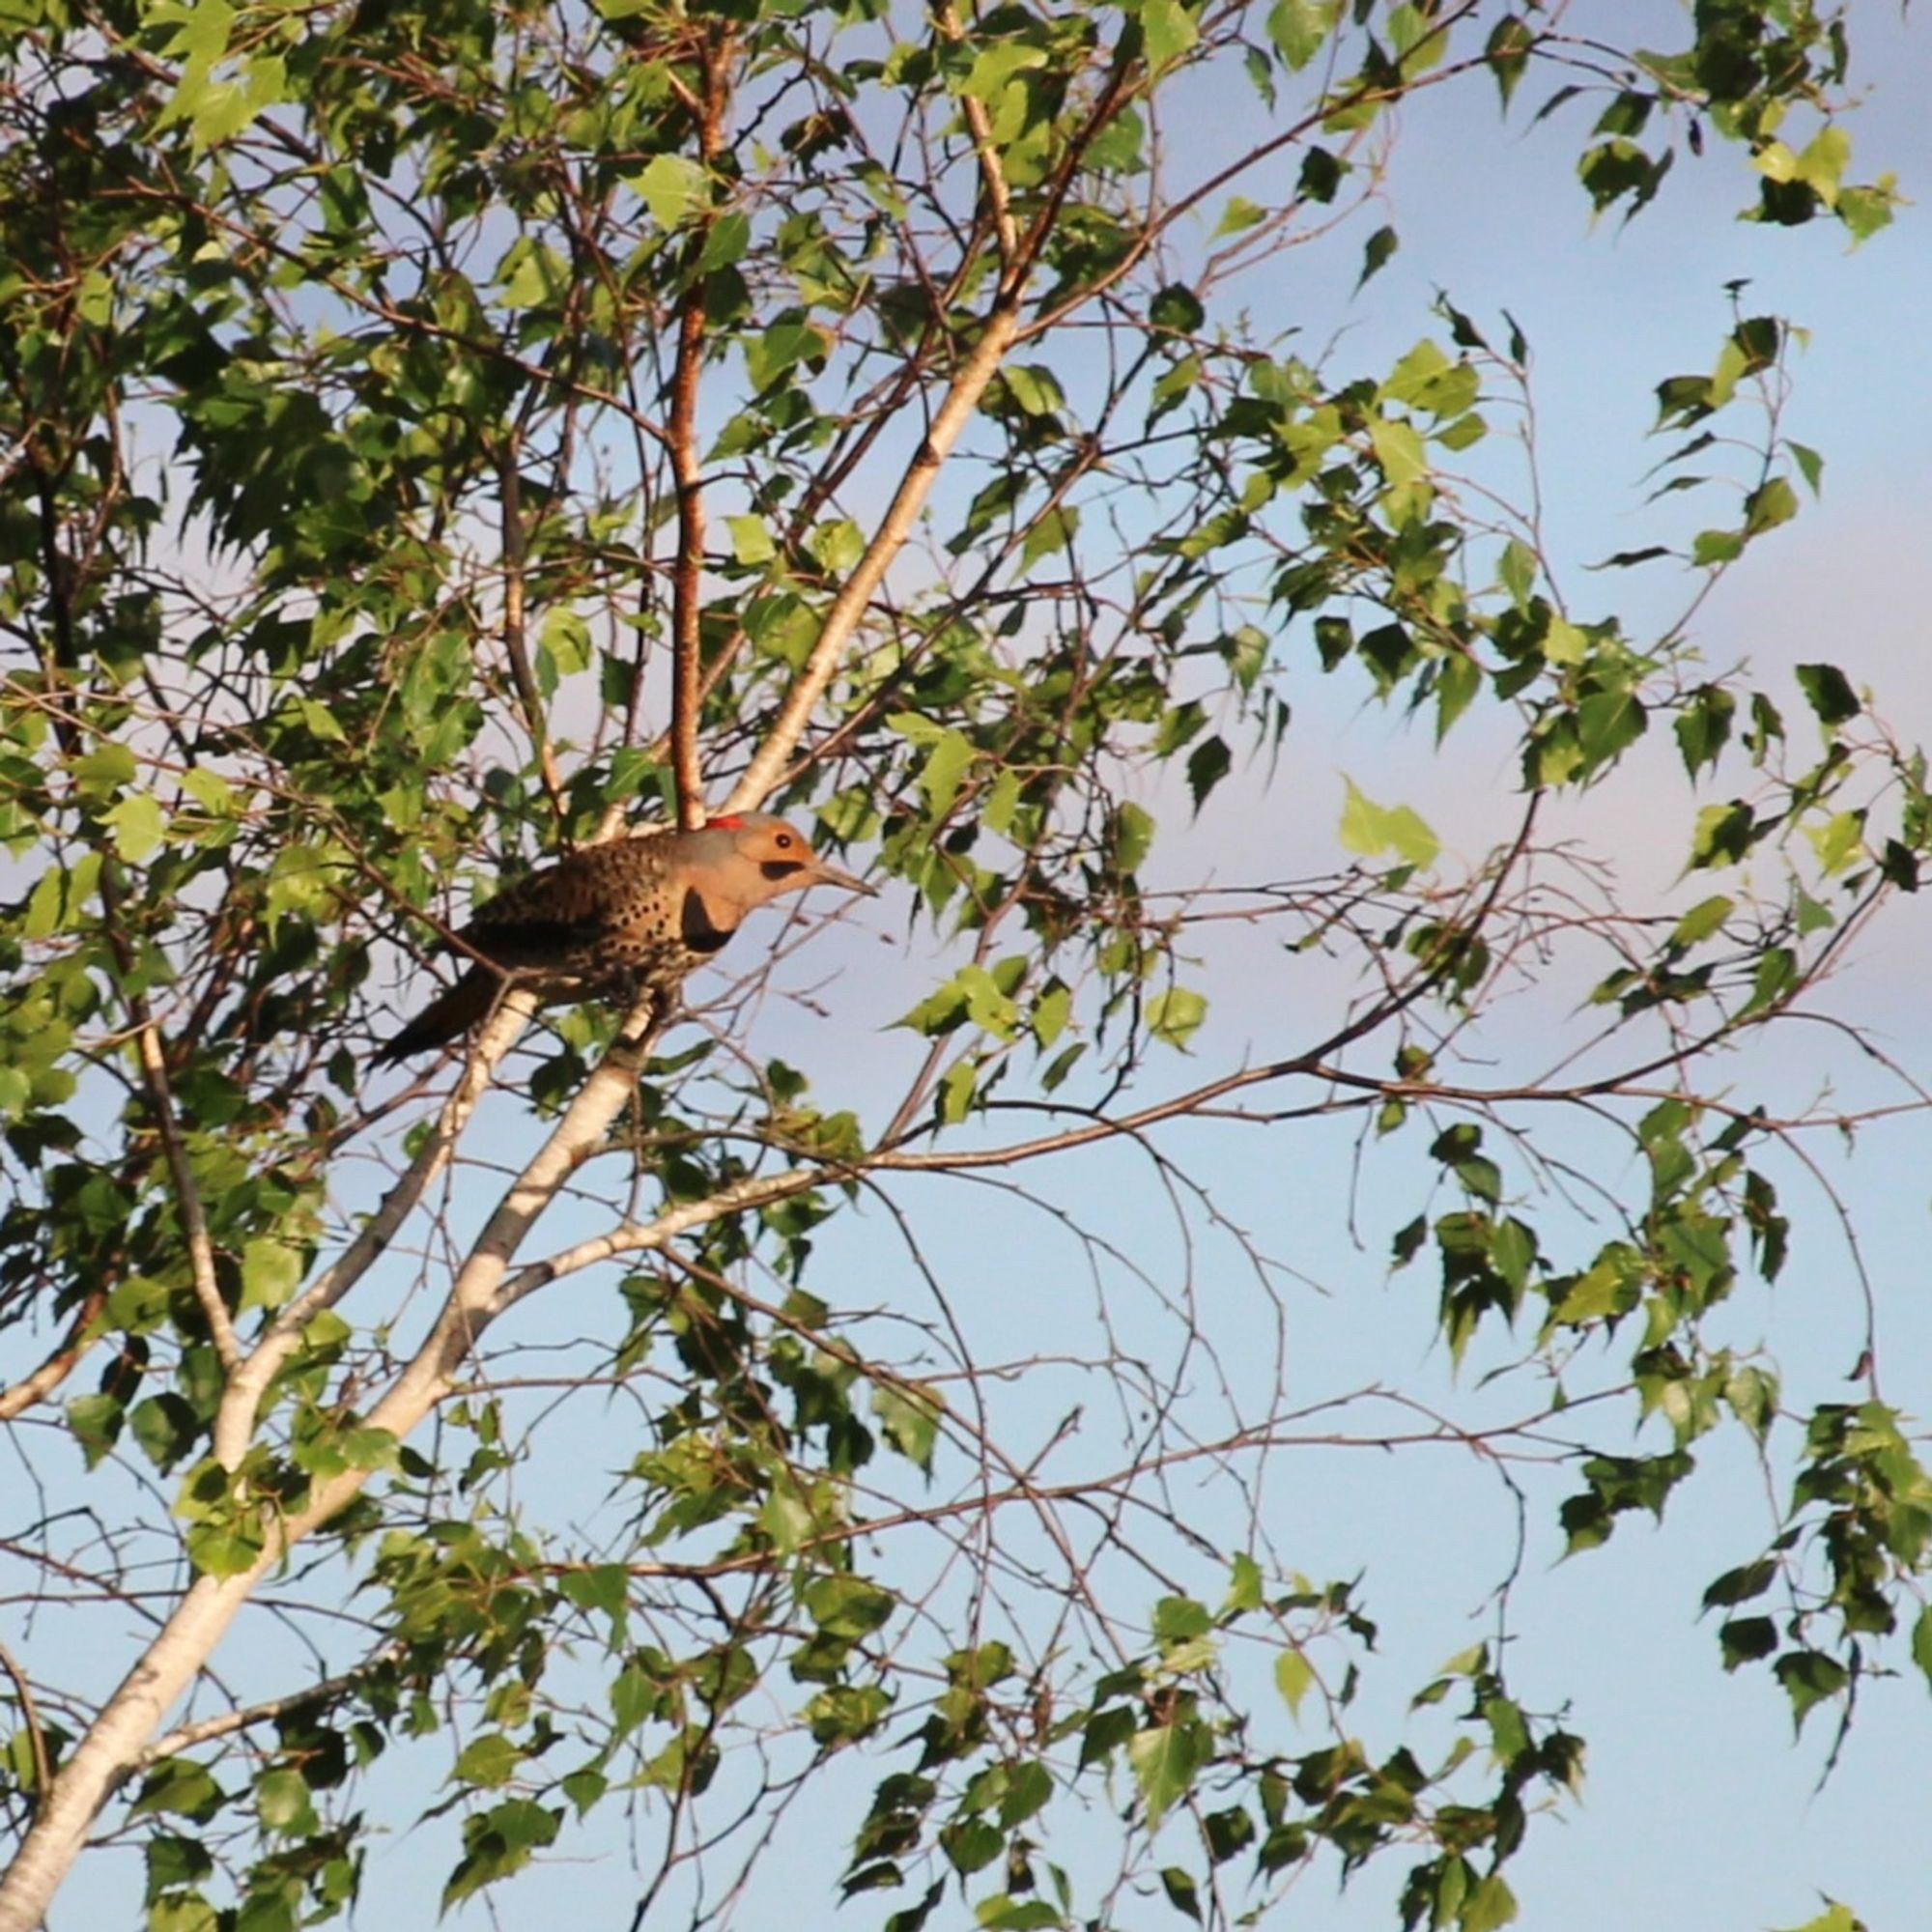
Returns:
(694, 924)
(779, 869)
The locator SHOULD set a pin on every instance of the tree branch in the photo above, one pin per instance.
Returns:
(841, 620)
(242, 1399)
(687, 699)
(36, 1737)
(58, 1366)
(184, 1737)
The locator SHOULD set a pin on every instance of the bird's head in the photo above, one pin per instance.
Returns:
(743, 859)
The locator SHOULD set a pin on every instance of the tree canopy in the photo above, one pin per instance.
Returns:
(856, 1426)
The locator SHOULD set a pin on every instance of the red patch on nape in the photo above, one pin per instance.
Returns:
(729, 822)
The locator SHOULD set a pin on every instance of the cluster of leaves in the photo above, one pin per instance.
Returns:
(406, 298)
(1165, 1723)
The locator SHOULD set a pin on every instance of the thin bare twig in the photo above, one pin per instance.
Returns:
(516, 639)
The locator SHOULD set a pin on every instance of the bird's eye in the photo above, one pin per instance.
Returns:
(785, 841)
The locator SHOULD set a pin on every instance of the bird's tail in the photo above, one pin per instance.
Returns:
(446, 1017)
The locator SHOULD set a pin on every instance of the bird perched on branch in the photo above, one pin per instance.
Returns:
(626, 919)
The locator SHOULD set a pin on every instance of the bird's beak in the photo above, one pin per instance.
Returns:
(823, 874)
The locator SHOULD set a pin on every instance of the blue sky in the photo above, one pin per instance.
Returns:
(1698, 1811)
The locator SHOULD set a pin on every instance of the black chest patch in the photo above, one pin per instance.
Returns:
(694, 927)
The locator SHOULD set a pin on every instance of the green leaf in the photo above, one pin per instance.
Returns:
(95, 1422)
(106, 768)
(908, 1418)
(322, 721)
(1320, 175)
(779, 349)
(836, 546)
(224, 1550)
(1811, 466)
(1207, 764)
(1703, 919)
(1838, 841)
(497, 1842)
(972, 1844)
(727, 241)
(1050, 1015)
(283, 1804)
(1054, 532)
(1835, 1917)
(60, 896)
(1180, 1620)
(945, 772)
(1238, 215)
(1864, 211)
(1398, 450)
(1174, 1016)
(199, 30)
(1607, 724)
(1006, 1913)
(995, 65)
(1035, 387)
(1741, 1585)
(1294, 1678)
(370, 1449)
(183, 1912)
(1746, 1640)
(1722, 836)
(1376, 254)
(1517, 572)
(270, 1273)
(137, 825)
(1133, 831)
(180, 1786)
(1564, 644)
(675, 188)
(1183, 1893)
(1373, 828)
(1245, 1583)
(489, 1761)
(1772, 503)
(751, 542)
(1921, 1642)
(1030, 1790)
(1809, 1678)
(1168, 30)
(1229, 1832)
(166, 1426)
(1179, 309)
(585, 1789)
(1299, 28)
(1751, 1391)
(1829, 693)
(1104, 1733)
(1703, 726)
(1490, 1904)
(603, 1587)
(1166, 1759)
(1508, 53)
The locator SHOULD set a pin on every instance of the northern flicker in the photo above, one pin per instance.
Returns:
(624, 919)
